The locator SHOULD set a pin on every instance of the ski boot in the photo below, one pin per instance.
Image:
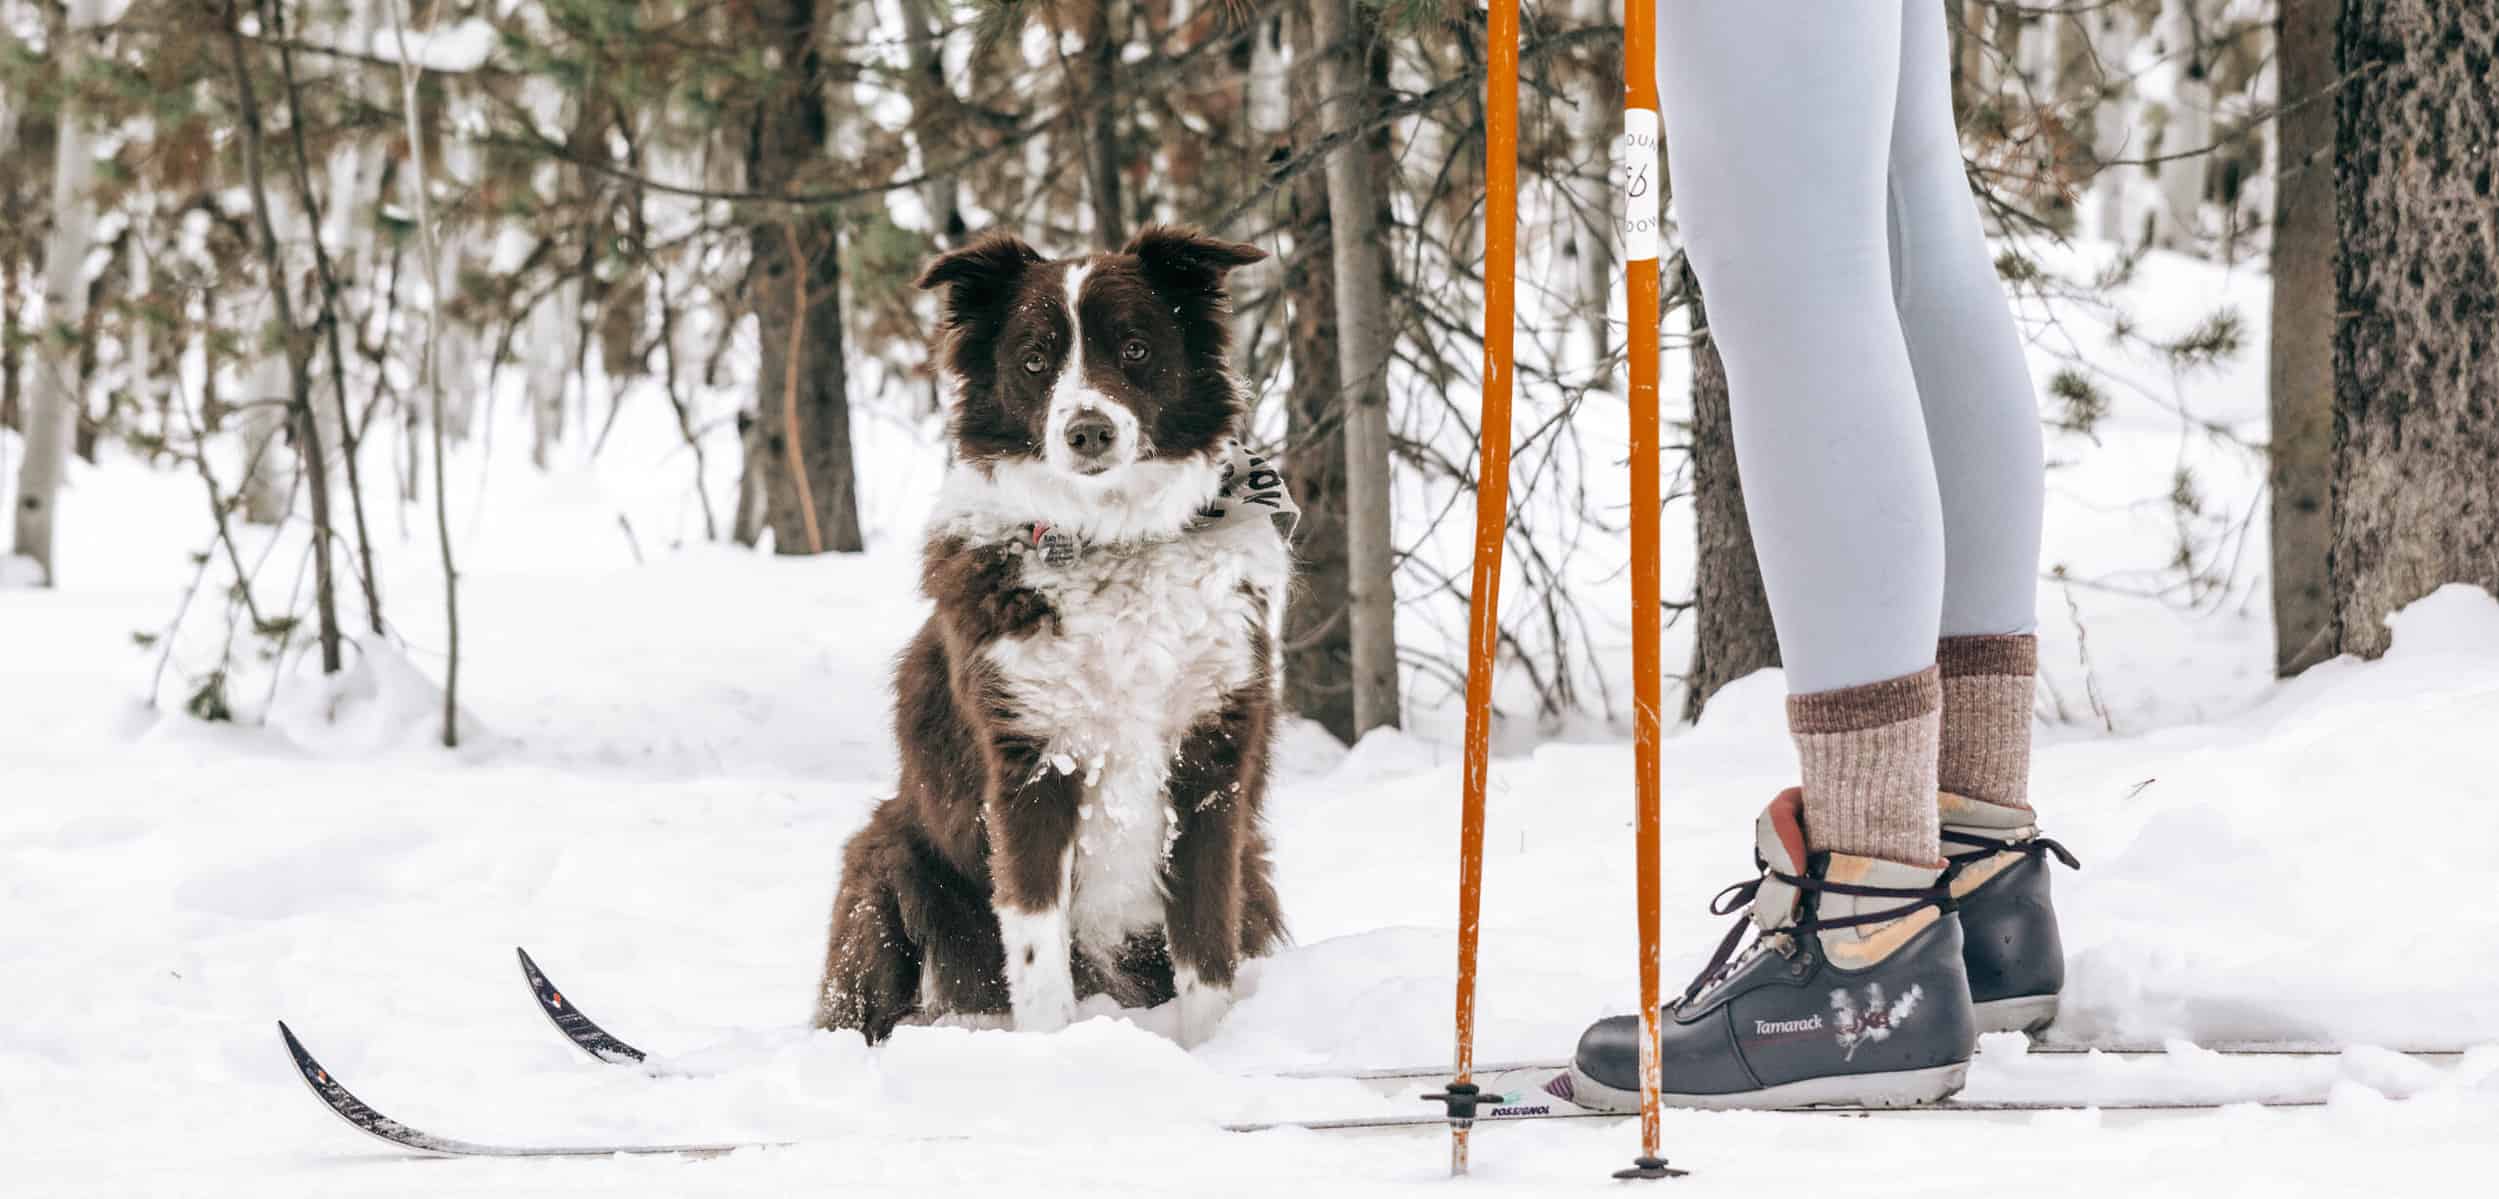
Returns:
(1852, 992)
(2009, 942)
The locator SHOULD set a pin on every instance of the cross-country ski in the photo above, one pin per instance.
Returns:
(1520, 1093)
(602, 1045)
(336, 1097)
(1249, 599)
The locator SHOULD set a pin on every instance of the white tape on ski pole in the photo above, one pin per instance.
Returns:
(1635, 175)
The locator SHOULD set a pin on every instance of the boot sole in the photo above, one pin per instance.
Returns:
(1903, 1088)
(2024, 1013)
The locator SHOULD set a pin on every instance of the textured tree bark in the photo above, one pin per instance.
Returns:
(785, 136)
(54, 400)
(2300, 373)
(1318, 632)
(2416, 423)
(1732, 635)
(1345, 34)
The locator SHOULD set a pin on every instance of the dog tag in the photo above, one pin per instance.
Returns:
(1058, 547)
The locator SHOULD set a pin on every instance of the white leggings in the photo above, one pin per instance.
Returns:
(1885, 425)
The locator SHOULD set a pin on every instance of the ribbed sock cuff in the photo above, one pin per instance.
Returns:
(1983, 751)
(1868, 762)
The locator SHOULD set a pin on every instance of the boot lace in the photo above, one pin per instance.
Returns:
(1738, 897)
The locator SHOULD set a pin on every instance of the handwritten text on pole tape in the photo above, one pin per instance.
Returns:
(1635, 174)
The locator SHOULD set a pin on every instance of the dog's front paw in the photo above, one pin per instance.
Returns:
(1041, 985)
(1201, 1006)
(1047, 1008)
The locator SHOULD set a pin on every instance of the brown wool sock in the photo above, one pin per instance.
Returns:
(1984, 751)
(1868, 758)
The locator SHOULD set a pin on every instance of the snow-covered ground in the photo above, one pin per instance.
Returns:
(667, 755)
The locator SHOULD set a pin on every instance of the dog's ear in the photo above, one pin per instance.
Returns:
(980, 276)
(1190, 257)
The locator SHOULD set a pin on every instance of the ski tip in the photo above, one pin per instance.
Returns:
(305, 1065)
(582, 1031)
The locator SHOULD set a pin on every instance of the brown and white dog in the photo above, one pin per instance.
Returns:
(1085, 717)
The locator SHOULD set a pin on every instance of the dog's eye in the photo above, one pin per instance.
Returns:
(1034, 363)
(1133, 352)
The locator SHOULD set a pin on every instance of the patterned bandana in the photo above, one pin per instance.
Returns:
(1252, 489)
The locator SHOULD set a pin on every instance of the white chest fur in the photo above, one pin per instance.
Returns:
(1151, 639)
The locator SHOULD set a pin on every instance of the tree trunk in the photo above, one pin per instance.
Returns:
(923, 20)
(54, 403)
(2416, 430)
(264, 484)
(2080, 79)
(464, 253)
(1970, 82)
(271, 453)
(18, 177)
(747, 526)
(1318, 632)
(2301, 366)
(11, 361)
(1595, 224)
(552, 327)
(1270, 95)
(139, 357)
(1732, 634)
(298, 342)
(355, 168)
(794, 281)
(2107, 204)
(1101, 123)
(1363, 333)
(2182, 181)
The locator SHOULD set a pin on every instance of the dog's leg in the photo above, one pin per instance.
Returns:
(1217, 779)
(1032, 854)
(871, 960)
(1028, 806)
(951, 922)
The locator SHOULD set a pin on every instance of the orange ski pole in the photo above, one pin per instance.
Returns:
(1492, 506)
(1640, 221)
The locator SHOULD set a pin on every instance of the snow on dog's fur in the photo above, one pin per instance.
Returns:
(1085, 717)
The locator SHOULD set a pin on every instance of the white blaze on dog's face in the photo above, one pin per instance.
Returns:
(1090, 429)
(1104, 379)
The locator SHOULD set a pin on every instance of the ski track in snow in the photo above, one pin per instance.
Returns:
(665, 759)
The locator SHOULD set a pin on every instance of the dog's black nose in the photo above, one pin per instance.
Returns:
(1090, 434)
